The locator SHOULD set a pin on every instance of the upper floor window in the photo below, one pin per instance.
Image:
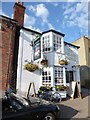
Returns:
(46, 43)
(56, 43)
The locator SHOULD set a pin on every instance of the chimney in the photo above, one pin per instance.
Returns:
(19, 11)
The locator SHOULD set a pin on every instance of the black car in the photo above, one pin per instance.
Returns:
(15, 107)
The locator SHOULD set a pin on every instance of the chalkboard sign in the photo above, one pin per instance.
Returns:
(74, 90)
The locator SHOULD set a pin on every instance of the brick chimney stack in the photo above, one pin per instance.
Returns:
(19, 11)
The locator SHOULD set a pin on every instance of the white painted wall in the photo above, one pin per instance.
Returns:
(71, 54)
(50, 57)
(58, 56)
(24, 77)
(30, 77)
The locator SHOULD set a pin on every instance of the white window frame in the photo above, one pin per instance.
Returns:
(46, 78)
(58, 72)
(57, 43)
(46, 43)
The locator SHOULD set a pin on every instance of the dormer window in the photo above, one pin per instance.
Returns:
(46, 43)
(57, 43)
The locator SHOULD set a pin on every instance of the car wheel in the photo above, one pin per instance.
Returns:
(54, 97)
(49, 116)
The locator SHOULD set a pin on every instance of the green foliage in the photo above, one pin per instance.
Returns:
(44, 88)
(61, 88)
(31, 67)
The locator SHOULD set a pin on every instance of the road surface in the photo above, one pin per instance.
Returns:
(76, 108)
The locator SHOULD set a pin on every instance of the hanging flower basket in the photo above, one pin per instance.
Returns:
(44, 62)
(30, 67)
(63, 62)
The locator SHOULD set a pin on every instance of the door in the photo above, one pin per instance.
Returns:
(69, 76)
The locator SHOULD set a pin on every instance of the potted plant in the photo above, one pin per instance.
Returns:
(30, 67)
(44, 62)
(63, 62)
(61, 88)
(44, 88)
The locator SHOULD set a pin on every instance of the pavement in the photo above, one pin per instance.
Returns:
(76, 108)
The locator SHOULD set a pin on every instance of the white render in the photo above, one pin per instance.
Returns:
(71, 54)
(24, 77)
(26, 52)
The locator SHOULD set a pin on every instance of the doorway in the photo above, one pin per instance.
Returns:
(69, 76)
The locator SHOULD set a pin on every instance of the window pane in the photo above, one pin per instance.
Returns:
(46, 78)
(49, 77)
(58, 75)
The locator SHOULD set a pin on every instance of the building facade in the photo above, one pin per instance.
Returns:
(46, 50)
(84, 59)
(9, 42)
(8, 30)
(20, 46)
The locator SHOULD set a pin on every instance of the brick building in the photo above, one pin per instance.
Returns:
(9, 34)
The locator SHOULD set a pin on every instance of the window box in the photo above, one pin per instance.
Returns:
(31, 67)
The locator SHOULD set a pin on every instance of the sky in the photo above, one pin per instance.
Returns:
(69, 18)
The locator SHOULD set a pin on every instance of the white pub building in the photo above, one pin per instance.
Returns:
(56, 61)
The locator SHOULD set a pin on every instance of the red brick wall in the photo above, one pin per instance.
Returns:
(0, 59)
(8, 46)
(19, 13)
(7, 42)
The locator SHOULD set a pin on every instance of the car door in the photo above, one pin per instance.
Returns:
(17, 115)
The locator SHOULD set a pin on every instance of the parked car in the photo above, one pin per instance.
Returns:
(15, 107)
(49, 94)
